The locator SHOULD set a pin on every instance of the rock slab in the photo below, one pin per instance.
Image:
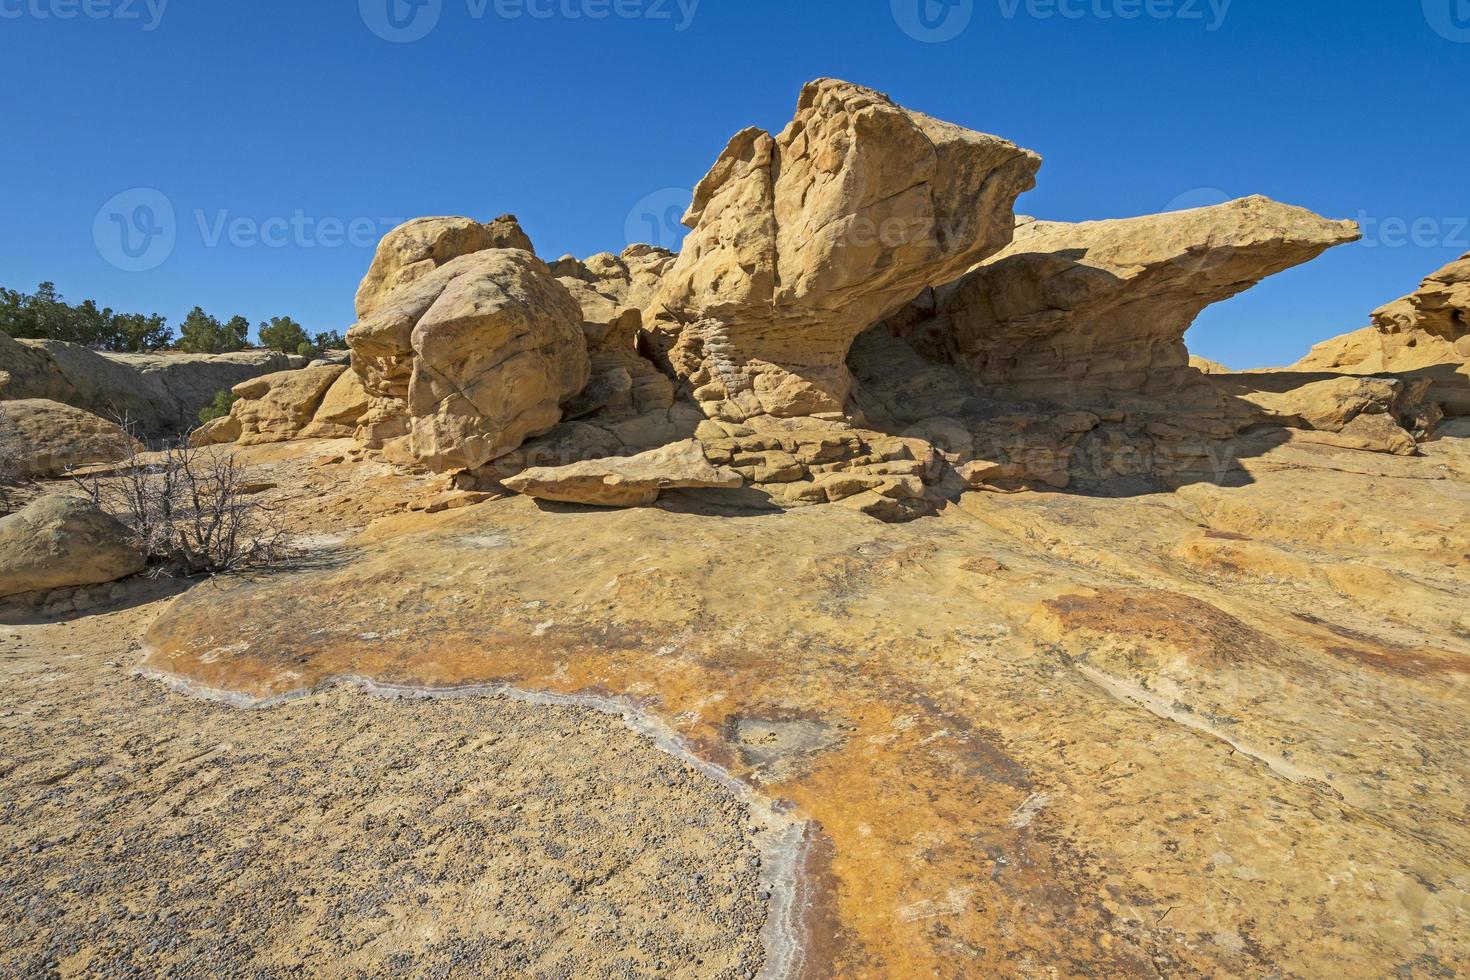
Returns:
(628, 481)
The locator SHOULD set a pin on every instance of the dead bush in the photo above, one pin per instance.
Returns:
(188, 511)
(14, 474)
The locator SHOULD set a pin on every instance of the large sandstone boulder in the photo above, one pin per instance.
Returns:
(160, 394)
(625, 481)
(415, 249)
(60, 542)
(42, 438)
(277, 407)
(1425, 334)
(802, 240)
(478, 355)
(1069, 309)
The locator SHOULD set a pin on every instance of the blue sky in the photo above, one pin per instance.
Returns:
(286, 135)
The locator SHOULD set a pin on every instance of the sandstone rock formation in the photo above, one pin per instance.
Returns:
(278, 407)
(1069, 309)
(626, 481)
(1425, 334)
(414, 249)
(1037, 353)
(58, 542)
(46, 438)
(341, 409)
(608, 285)
(802, 240)
(160, 394)
(477, 355)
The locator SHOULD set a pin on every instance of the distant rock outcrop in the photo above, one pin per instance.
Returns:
(279, 407)
(1426, 334)
(158, 394)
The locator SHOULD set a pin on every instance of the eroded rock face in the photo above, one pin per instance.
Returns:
(46, 438)
(802, 240)
(1426, 334)
(59, 542)
(1104, 305)
(415, 249)
(479, 354)
(626, 481)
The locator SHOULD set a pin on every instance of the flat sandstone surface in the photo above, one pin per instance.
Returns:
(1218, 731)
(143, 833)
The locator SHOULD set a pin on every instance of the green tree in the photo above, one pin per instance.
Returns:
(219, 408)
(331, 340)
(45, 315)
(201, 333)
(136, 332)
(283, 334)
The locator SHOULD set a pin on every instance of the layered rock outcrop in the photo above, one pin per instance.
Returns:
(1099, 306)
(59, 542)
(1425, 334)
(800, 241)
